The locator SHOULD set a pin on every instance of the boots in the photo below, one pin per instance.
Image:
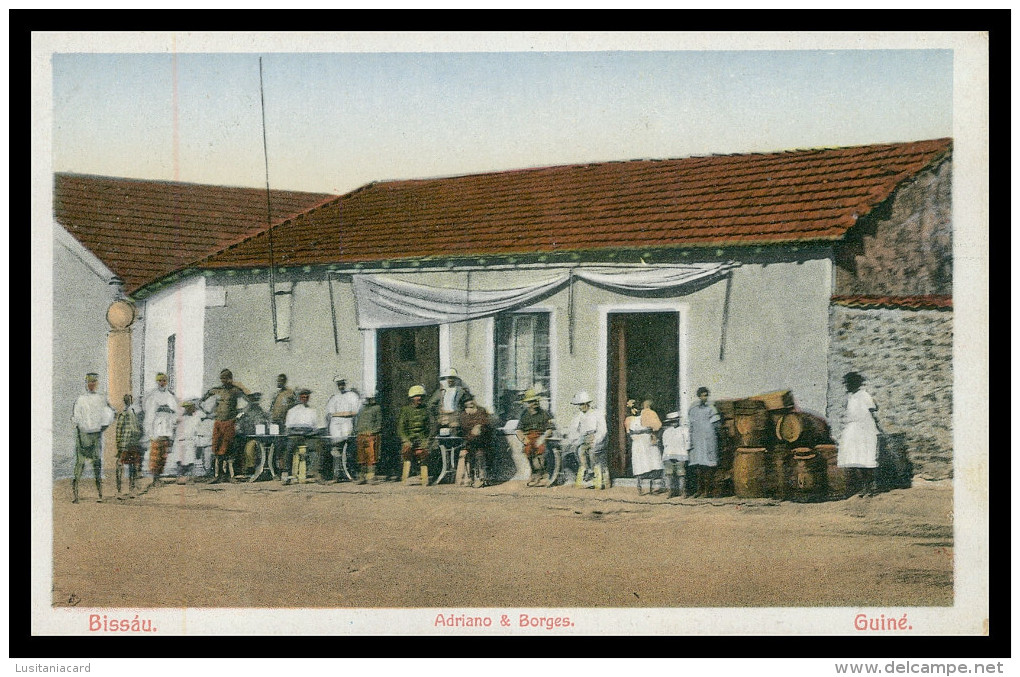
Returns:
(99, 489)
(598, 477)
(461, 477)
(370, 474)
(74, 491)
(302, 469)
(230, 469)
(424, 475)
(405, 477)
(579, 482)
(284, 477)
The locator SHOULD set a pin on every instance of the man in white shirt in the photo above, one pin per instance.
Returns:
(302, 423)
(161, 413)
(91, 415)
(447, 403)
(340, 412)
(586, 436)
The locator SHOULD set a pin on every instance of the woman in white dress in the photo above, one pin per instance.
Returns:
(858, 444)
(644, 449)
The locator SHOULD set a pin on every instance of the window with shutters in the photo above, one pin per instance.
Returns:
(522, 359)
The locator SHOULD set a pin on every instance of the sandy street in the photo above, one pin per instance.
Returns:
(265, 545)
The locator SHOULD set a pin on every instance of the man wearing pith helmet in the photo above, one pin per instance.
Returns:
(587, 437)
(532, 430)
(413, 427)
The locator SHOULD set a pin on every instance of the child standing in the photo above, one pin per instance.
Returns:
(676, 440)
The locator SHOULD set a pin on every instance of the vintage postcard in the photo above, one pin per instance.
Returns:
(510, 334)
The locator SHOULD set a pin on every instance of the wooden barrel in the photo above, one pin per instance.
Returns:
(802, 428)
(725, 409)
(750, 419)
(779, 399)
(810, 474)
(788, 427)
(749, 473)
(834, 475)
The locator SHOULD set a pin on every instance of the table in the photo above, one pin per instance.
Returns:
(449, 446)
(345, 445)
(267, 451)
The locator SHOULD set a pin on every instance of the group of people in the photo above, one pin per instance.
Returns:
(689, 452)
(451, 418)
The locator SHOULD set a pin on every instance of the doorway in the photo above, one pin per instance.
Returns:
(405, 356)
(644, 359)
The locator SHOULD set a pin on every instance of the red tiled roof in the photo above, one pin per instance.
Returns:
(144, 230)
(929, 302)
(793, 196)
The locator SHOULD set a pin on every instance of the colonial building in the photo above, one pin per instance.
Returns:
(649, 278)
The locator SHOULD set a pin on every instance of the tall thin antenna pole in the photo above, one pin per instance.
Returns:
(269, 217)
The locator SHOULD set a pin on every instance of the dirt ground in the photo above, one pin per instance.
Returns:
(389, 545)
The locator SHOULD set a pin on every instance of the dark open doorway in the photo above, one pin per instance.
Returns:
(406, 356)
(644, 359)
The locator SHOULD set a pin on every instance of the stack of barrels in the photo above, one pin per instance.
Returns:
(778, 451)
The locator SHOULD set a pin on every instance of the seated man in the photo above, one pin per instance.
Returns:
(586, 437)
(302, 423)
(413, 427)
(532, 430)
(478, 440)
(250, 417)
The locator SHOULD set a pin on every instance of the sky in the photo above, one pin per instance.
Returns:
(336, 121)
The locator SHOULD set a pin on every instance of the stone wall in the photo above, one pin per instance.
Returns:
(904, 246)
(906, 359)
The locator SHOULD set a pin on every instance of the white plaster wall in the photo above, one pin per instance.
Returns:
(179, 310)
(81, 297)
(776, 336)
(239, 336)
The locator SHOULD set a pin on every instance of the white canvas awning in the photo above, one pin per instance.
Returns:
(386, 301)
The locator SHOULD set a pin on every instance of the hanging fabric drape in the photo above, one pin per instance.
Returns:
(651, 278)
(391, 302)
(387, 301)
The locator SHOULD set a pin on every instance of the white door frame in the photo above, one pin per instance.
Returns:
(664, 306)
